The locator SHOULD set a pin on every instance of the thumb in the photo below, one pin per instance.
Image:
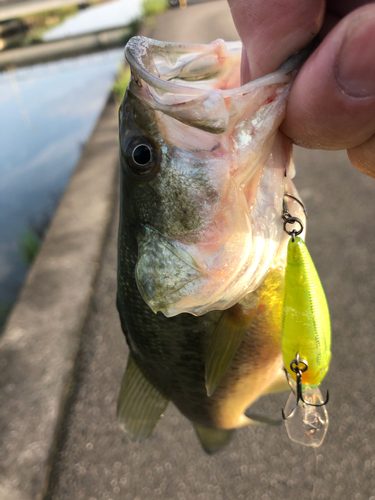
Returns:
(332, 101)
(272, 30)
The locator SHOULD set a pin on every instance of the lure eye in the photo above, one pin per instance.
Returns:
(141, 155)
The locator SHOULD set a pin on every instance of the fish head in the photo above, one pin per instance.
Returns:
(203, 173)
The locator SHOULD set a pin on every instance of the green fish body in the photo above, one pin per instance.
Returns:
(201, 250)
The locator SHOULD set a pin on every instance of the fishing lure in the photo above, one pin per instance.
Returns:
(306, 340)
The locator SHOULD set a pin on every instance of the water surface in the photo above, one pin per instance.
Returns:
(101, 17)
(47, 114)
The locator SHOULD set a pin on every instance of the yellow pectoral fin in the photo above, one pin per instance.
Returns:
(226, 339)
(280, 384)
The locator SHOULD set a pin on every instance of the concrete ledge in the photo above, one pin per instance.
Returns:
(40, 343)
(10, 10)
(67, 47)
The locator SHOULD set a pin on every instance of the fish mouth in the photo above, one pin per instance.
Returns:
(194, 90)
(178, 69)
(169, 76)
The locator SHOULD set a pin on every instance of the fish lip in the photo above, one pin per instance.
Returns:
(138, 47)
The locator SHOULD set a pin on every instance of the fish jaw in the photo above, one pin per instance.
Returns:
(210, 218)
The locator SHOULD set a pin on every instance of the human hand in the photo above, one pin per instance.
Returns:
(332, 101)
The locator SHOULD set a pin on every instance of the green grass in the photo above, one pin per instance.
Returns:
(40, 22)
(153, 7)
(5, 309)
(121, 83)
(28, 246)
(50, 17)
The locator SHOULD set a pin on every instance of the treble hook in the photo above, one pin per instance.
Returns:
(297, 200)
(289, 219)
(294, 366)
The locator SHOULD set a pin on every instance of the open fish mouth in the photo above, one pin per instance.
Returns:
(210, 217)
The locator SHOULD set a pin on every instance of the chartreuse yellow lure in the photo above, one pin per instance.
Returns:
(306, 342)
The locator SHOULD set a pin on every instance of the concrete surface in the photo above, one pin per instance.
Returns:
(70, 47)
(39, 345)
(16, 8)
(200, 23)
(95, 460)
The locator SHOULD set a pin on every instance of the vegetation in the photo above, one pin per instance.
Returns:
(35, 25)
(28, 245)
(121, 83)
(4, 313)
(154, 7)
(133, 28)
(40, 22)
(32, 236)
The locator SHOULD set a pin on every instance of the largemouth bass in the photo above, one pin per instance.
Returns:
(202, 249)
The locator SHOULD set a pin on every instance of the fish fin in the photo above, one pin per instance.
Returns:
(262, 419)
(213, 440)
(140, 404)
(226, 339)
(280, 384)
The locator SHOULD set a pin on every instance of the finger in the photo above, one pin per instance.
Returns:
(273, 30)
(332, 101)
(336, 10)
(343, 7)
(363, 157)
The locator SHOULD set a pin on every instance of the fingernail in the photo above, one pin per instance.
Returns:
(355, 70)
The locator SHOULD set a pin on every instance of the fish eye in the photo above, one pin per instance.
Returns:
(141, 155)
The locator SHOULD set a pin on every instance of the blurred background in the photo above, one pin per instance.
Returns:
(59, 62)
(49, 104)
